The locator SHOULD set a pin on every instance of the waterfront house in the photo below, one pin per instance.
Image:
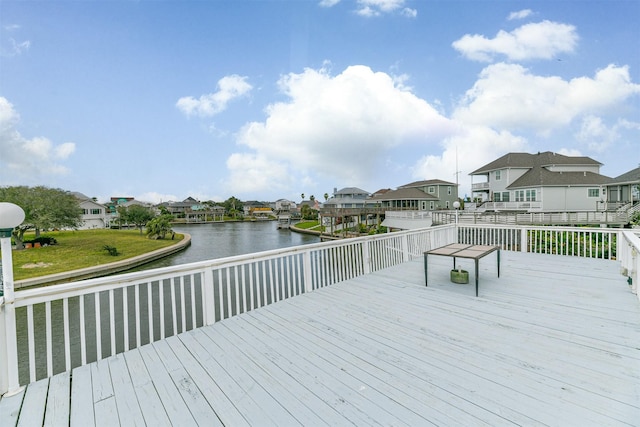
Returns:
(94, 214)
(348, 197)
(624, 189)
(541, 182)
(426, 195)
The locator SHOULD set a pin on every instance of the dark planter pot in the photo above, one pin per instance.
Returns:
(460, 276)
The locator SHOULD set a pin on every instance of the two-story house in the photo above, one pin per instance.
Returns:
(348, 197)
(546, 181)
(94, 214)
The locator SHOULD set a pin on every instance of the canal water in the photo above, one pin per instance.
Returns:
(208, 241)
(219, 240)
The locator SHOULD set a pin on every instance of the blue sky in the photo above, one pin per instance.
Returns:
(261, 100)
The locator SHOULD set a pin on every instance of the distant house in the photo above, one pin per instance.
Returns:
(179, 209)
(284, 205)
(624, 189)
(541, 182)
(349, 197)
(94, 214)
(427, 195)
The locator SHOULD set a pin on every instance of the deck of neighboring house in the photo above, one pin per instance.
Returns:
(554, 341)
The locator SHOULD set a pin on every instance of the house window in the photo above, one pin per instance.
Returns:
(496, 197)
(449, 190)
(531, 195)
(446, 204)
(594, 192)
(96, 211)
(519, 195)
(85, 211)
(431, 205)
(498, 175)
(431, 190)
(505, 196)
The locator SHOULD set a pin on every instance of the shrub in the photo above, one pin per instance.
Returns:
(112, 250)
(43, 240)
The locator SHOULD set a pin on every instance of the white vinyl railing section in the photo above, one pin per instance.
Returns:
(65, 326)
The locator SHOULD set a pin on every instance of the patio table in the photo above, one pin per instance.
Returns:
(459, 250)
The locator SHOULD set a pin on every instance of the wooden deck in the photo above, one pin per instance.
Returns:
(554, 341)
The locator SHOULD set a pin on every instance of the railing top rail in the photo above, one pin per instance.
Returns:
(542, 227)
(632, 238)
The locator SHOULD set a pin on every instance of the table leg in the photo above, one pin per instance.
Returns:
(476, 277)
(425, 270)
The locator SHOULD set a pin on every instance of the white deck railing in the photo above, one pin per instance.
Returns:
(64, 326)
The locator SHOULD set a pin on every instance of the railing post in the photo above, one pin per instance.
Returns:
(306, 272)
(208, 293)
(9, 360)
(4, 367)
(523, 239)
(366, 257)
(405, 247)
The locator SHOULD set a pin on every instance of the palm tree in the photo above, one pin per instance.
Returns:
(302, 197)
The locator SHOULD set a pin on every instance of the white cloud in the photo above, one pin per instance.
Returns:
(328, 3)
(409, 13)
(25, 158)
(340, 127)
(521, 14)
(229, 88)
(369, 8)
(508, 96)
(542, 40)
(598, 137)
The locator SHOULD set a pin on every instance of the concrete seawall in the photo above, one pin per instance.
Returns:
(104, 269)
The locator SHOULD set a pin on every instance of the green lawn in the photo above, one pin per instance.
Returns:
(82, 248)
(306, 225)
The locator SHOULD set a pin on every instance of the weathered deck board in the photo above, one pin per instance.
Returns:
(553, 341)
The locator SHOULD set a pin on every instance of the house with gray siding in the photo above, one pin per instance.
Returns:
(426, 195)
(624, 189)
(545, 181)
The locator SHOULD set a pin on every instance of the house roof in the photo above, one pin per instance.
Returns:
(427, 182)
(404, 193)
(540, 176)
(527, 160)
(631, 177)
(79, 196)
(352, 190)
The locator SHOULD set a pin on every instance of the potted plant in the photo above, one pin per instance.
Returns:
(459, 276)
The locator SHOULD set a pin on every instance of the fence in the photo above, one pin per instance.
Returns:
(64, 326)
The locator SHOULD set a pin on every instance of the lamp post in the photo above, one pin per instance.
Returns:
(10, 217)
(456, 206)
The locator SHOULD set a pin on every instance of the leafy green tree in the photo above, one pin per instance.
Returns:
(233, 206)
(44, 208)
(326, 196)
(137, 215)
(159, 226)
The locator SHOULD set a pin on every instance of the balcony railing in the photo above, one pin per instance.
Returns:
(64, 326)
(478, 186)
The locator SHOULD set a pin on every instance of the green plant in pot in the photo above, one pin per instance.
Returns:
(460, 276)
